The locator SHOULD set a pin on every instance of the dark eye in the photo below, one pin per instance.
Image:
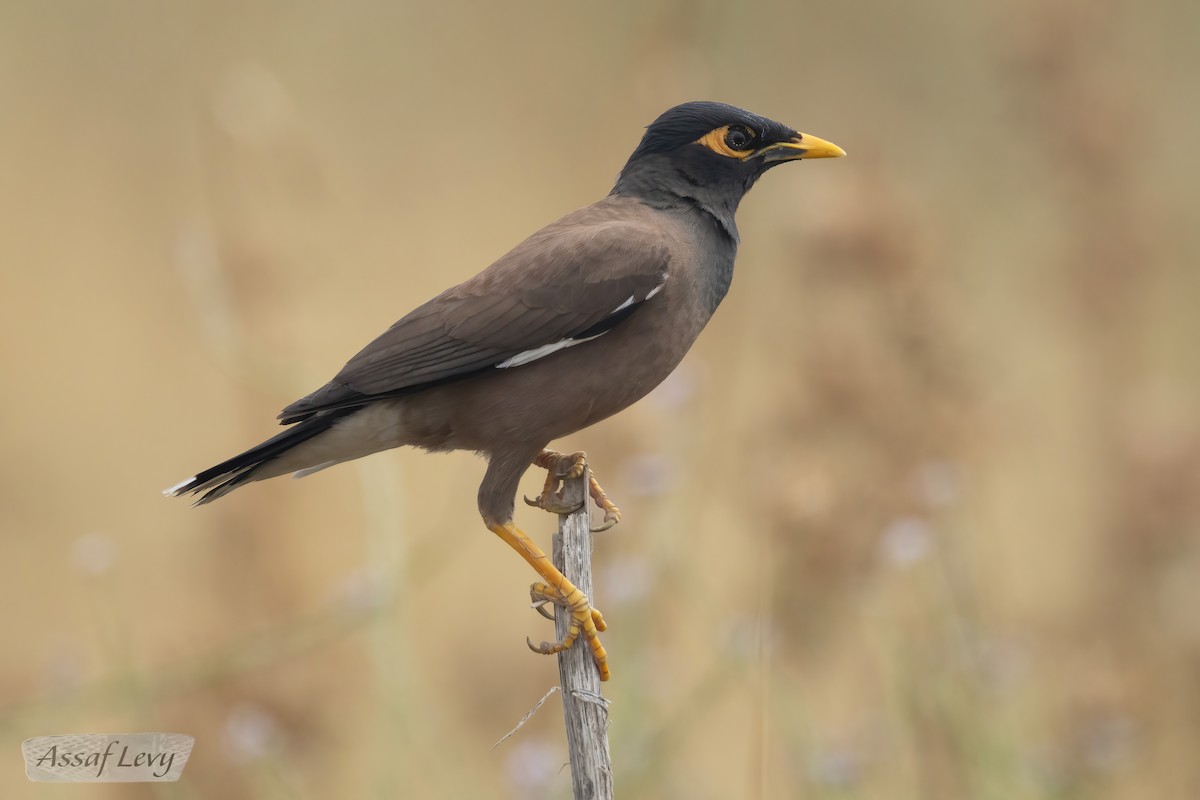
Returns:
(738, 137)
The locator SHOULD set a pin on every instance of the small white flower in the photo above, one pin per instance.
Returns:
(532, 764)
(905, 541)
(250, 733)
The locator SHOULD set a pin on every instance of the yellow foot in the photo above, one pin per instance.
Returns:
(559, 591)
(584, 619)
(560, 467)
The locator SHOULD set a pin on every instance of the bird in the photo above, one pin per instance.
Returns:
(571, 326)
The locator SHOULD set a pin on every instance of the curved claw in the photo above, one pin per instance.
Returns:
(545, 648)
(606, 524)
(541, 609)
(612, 514)
(540, 594)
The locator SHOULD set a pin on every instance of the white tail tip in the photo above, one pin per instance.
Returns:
(179, 488)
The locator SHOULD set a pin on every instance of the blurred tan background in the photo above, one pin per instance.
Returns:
(919, 517)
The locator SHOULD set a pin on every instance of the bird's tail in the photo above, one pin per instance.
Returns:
(222, 479)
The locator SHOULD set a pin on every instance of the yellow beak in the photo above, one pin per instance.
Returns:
(803, 146)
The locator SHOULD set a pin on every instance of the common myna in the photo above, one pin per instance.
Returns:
(577, 322)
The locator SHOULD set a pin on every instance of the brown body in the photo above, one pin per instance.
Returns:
(512, 414)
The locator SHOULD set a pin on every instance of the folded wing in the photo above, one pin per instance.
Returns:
(570, 282)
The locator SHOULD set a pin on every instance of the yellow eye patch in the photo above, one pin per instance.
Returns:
(715, 140)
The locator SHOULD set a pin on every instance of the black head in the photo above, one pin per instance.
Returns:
(714, 153)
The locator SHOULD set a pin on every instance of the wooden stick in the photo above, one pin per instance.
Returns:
(585, 711)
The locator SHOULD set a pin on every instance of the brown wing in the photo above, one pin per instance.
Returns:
(571, 279)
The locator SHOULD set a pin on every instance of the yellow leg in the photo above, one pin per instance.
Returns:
(557, 589)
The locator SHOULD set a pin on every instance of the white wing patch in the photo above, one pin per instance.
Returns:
(625, 305)
(546, 349)
(543, 351)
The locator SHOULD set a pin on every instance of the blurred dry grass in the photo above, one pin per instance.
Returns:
(930, 478)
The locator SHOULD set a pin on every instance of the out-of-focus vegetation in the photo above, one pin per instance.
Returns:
(919, 517)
